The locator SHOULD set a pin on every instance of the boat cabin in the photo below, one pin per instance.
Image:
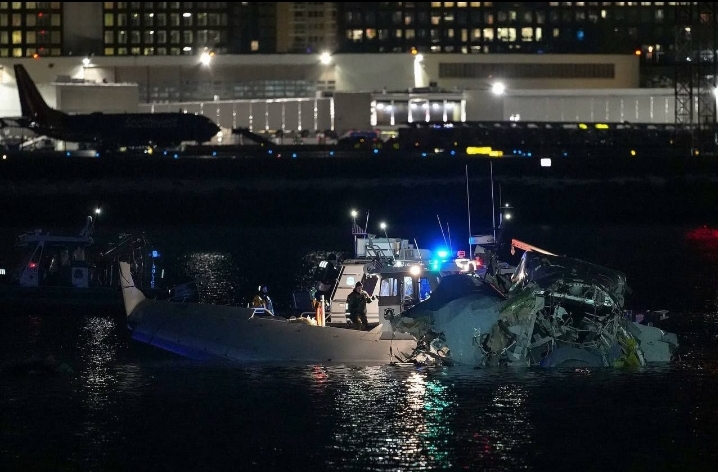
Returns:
(52, 260)
(398, 274)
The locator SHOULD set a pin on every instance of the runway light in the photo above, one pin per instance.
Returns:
(325, 58)
(205, 58)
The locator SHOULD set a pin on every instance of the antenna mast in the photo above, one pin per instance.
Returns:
(468, 206)
(493, 205)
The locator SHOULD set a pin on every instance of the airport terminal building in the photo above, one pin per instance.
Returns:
(342, 92)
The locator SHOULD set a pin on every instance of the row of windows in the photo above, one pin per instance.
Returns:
(198, 91)
(29, 52)
(30, 37)
(30, 5)
(30, 19)
(164, 5)
(163, 37)
(526, 71)
(490, 17)
(526, 34)
(160, 19)
(434, 5)
(155, 51)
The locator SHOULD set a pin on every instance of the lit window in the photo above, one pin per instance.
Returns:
(254, 46)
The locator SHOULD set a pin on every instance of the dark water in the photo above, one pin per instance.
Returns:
(129, 407)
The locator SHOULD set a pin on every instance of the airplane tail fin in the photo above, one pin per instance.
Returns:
(31, 102)
(131, 295)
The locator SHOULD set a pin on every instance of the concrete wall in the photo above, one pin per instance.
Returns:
(85, 98)
(259, 115)
(10, 101)
(632, 105)
(351, 72)
(352, 111)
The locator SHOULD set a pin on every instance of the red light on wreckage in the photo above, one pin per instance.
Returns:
(703, 232)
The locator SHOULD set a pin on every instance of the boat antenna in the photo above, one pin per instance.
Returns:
(442, 229)
(448, 230)
(416, 245)
(366, 225)
(468, 205)
(493, 205)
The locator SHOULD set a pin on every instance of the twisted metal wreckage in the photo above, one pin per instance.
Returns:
(553, 311)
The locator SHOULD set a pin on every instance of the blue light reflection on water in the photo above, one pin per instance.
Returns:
(132, 407)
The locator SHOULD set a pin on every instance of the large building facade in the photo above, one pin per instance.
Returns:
(175, 28)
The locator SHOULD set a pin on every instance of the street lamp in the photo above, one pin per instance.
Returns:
(498, 88)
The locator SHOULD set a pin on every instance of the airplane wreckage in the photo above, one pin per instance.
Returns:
(549, 311)
(553, 311)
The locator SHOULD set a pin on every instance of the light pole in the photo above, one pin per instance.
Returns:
(97, 216)
(354, 214)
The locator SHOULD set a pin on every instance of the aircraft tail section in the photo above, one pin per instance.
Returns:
(31, 102)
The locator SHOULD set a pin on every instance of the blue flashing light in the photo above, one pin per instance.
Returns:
(67, 153)
(442, 253)
(565, 154)
(155, 254)
(376, 151)
(294, 155)
(176, 156)
(434, 265)
(331, 153)
(453, 153)
(270, 152)
(529, 154)
(214, 153)
(423, 154)
(97, 154)
(165, 153)
(580, 35)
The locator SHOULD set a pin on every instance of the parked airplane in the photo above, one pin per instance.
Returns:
(109, 131)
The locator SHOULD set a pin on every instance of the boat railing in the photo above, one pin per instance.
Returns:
(377, 255)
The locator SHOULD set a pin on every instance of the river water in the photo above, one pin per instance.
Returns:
(131, 407)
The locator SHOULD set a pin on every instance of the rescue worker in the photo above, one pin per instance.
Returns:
(267, 301)
(356, 305)
(258, 301)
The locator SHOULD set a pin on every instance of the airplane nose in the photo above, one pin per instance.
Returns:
(210, 130)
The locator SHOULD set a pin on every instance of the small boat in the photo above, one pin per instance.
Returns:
(395, 273)
(69, 270)
(204, 332)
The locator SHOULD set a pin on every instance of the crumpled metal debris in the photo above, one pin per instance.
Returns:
(558, 311)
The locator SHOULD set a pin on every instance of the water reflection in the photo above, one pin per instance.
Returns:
(386, 416)
(504, 430)
(98, 346)
(219, 279)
